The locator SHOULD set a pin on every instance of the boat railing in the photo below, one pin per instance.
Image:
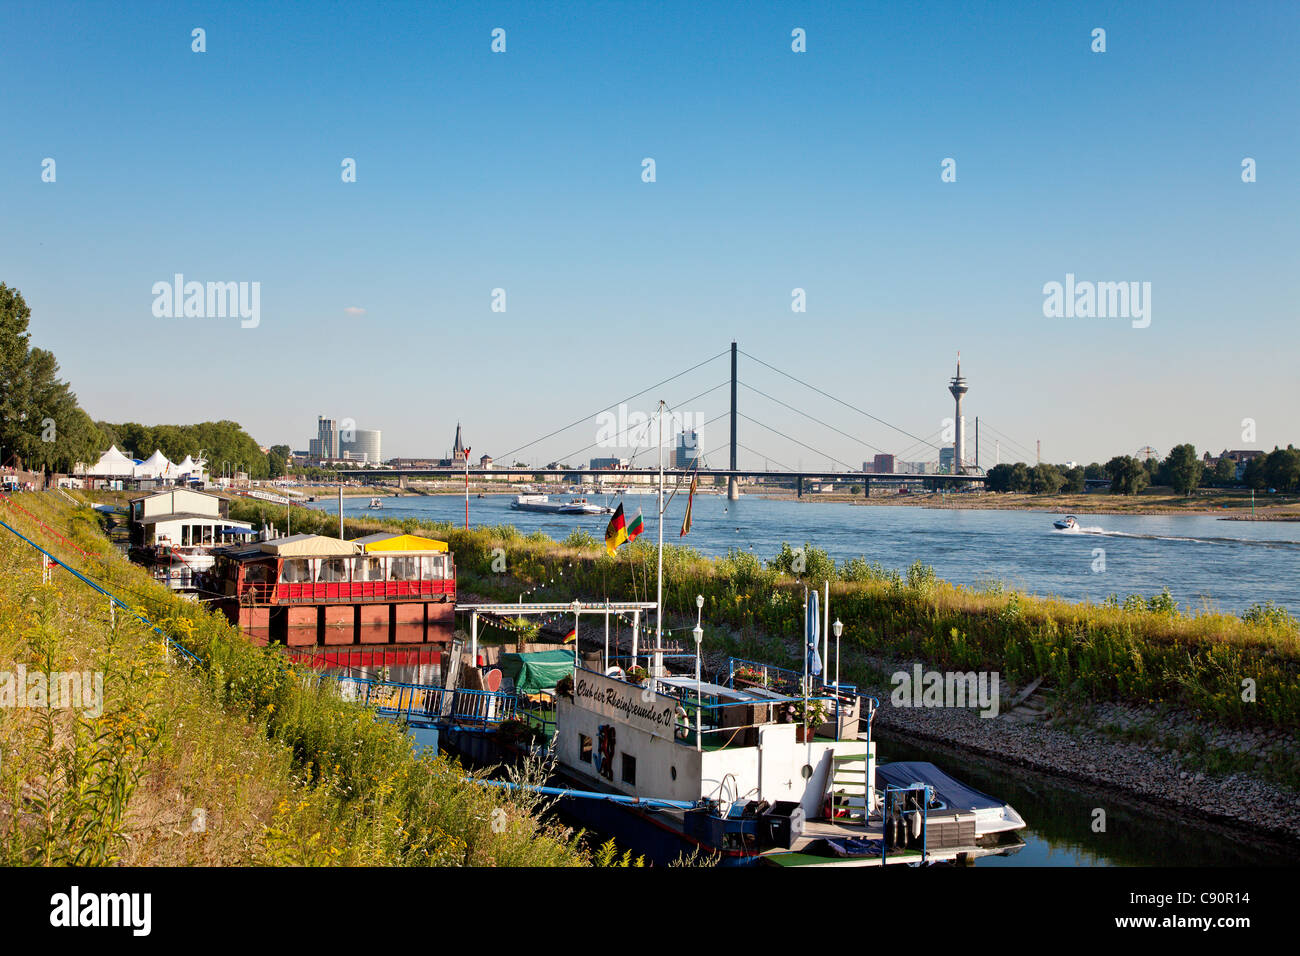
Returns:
(427, 702)
(714, 722)
(771, 676)
(345, 591)
(896, 803)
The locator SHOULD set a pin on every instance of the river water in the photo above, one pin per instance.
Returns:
(1204, 561)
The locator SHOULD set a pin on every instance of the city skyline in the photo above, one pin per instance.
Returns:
(783, 179)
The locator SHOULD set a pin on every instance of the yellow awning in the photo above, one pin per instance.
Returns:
(400, 542)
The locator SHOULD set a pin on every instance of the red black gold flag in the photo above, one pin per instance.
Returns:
(690, 501)
(616, 533)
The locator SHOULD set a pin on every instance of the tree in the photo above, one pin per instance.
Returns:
(1073, 480)
(1282, 467)
(1182, 470)
(1095, 471)
(998, 478)
(1256, 475)
(1020, 481)
(1045, 479)
(1128, 476)
(1225, 471)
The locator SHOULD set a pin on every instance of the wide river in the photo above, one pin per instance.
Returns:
(1204, 561)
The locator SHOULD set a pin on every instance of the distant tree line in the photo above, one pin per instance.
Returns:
(1180, 470)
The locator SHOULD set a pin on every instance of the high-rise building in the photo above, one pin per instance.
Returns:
(364, 441)
(688, 449)
(882, 465)
(328, 437)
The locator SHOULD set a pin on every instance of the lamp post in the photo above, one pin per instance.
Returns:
(576, 606)
(839, 629)
(699, 640)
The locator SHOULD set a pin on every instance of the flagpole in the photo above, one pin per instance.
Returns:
(659, 594)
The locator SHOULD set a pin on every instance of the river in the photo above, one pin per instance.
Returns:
(1204, 561)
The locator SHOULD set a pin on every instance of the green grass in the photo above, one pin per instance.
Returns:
(275, 768)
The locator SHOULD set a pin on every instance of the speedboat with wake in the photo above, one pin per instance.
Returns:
(1068, 523)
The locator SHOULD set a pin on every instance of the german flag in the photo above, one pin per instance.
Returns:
(616, 533)
(690, 502)
(636, 527)
(571, 636)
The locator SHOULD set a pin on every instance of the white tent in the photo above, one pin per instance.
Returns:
(155, 467)
(186, 467)
(112, 464)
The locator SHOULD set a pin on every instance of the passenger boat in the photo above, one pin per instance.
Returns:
(544, 505)
(1068, 523)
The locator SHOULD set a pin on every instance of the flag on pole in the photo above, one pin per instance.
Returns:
(616, 533)
(636, 527)
(690, 501)
(571, 636)
(810, 631)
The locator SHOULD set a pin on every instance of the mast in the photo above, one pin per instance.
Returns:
(659, 592)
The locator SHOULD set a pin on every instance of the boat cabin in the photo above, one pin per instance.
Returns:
(181, 518)
(313, 568)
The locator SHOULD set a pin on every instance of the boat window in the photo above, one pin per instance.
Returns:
(404, 569)
(629, 769)
(429, 568)
(334, 570)
(257, 573)
(584, 748)
(295, 571)
(368, 568)
(185, 535)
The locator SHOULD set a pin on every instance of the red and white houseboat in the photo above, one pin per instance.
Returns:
(307, 589)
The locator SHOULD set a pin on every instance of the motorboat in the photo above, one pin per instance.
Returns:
(375, 503)
(1068, 523)
(994, 820)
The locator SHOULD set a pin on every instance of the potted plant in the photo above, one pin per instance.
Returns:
(747, 676)
(808, 718)
(564, 686)
(637, 675)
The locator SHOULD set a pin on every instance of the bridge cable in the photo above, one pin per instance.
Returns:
(834, 399)
(586, 418)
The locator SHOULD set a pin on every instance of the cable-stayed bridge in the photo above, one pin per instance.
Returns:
(707, 464)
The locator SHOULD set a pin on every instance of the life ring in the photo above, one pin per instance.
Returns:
(614, 671)
(683, 728)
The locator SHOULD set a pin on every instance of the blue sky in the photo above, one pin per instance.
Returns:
(775, 170)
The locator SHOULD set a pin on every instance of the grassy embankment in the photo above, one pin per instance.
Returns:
(1137, 650)
(234, 760)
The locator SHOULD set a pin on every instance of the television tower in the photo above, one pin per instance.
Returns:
(958, 387)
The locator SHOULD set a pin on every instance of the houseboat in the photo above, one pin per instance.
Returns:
(177, 531)
(309, 589)
(757, 771)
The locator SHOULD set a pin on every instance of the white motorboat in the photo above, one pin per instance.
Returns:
(375, 503)
(1068, 523)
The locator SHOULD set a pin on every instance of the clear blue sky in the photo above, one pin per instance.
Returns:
(775, 170)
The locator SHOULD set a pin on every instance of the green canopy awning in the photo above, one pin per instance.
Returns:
(538, 671)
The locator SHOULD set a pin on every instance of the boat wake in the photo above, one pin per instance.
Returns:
(1099, 531)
